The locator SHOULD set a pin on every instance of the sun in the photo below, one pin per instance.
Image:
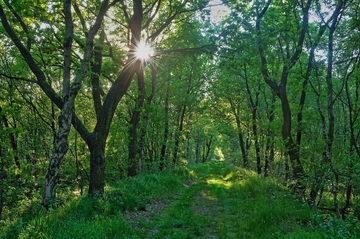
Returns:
(143, 51)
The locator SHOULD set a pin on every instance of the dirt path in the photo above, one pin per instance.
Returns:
(222, 201)
(195, 212)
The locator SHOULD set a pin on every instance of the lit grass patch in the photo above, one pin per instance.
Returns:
(219, 182)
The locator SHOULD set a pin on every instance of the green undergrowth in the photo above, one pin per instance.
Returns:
(211, 200)
(84, 217)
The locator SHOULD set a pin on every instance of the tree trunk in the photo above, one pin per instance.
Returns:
(65, 118)
(66, 103)
(243, 147)
(13, 143)
(145, 152)
(244, 151)
(329, 135)
(293, 150)
(14, 146)
(97, 167)
(354, 137)
(254, 103)
(134, 123)
(178, 134)
(112, 99)
(207, 149)
(269, 155)
(269, 148)
(132, 146)
(166, 130)
(60, 149)
(197, 152)
(315, 187)
(257, 146)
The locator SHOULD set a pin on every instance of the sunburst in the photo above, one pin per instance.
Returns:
(143, 51)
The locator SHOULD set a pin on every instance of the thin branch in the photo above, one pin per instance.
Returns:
(23, 25)
(18, 78)
(82, 20)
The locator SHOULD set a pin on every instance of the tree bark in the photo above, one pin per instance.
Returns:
(292, 148)
(354, 136)
(97, 166)
(65, 118)
(134, 123)
(60, 149)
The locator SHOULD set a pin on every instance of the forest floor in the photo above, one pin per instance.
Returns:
(222, 201)
(212, 200)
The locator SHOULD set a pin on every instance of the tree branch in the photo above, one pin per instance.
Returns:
(23, 25)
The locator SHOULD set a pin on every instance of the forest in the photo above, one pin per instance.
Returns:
(94, 94)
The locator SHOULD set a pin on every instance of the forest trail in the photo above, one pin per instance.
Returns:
(222, 201)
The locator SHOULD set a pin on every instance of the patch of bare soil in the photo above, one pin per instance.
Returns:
(207, 206)
(137, 218)
(152, 208)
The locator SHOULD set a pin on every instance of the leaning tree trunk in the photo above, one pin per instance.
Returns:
(69, 94)
(60, 149)
(292, 149)
(97, 141)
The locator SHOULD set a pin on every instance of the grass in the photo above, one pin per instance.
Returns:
(212, 200)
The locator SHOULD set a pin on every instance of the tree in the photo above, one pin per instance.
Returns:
(289, 60)
(135, 17)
